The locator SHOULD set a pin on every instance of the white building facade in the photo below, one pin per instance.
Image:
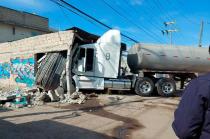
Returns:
(15, 25)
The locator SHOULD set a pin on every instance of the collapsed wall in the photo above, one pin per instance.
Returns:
(50, 69)
(18, 60)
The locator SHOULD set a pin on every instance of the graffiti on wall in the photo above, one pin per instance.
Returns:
(23, 70)
(4, 70)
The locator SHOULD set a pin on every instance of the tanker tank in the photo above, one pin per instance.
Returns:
(168, 58)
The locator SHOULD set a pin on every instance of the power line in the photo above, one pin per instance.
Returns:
(137, 13)
(182, 36)
(85, 18)
(186, 18)
(132, 35)
(155, 7)
(149, 16)
(161, 9)
(130, 21)
(66, 15)
(88, 16)
(183, 15)
(168, 16)
(151, 7)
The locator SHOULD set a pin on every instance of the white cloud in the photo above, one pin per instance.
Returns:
(32, 3)
(136, 2)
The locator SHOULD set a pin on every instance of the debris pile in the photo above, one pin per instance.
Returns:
(15, 99)
(75, 98)
(35, 97)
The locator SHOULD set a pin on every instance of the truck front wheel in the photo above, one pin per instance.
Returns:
(166, 87)
(144, 86)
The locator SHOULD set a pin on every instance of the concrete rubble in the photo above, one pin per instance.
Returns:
(75, 98)
(35, 97)
(15, 99)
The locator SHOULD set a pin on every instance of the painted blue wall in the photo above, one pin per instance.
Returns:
(4, 70)
(21, 69)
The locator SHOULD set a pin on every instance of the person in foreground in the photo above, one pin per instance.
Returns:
(192, 117)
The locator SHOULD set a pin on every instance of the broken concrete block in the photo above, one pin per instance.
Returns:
(40, 96)
(53, 96)
(82, 96)
(29, 106)
(19, 105)
(8, 104)
(74, 95)
(77, 98)
(6, 96)
(31, 90)
(38, 103)
(60, 93)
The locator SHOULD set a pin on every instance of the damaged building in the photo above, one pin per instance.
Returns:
(39, 60)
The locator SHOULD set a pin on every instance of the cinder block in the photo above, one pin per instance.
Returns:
(53, 96)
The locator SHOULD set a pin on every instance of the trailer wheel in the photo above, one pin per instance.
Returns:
(144, 86)
(166, 87)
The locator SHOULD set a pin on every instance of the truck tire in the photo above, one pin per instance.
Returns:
(144, 86)
(166, 87)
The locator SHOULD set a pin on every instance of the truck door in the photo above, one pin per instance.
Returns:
(85, 69)
(86, 61)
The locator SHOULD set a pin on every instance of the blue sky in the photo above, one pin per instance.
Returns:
(141, 16)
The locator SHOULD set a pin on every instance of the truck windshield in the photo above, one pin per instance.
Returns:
(81, 53)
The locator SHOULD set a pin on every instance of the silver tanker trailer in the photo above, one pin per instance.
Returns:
(97, 66)
(161, 66)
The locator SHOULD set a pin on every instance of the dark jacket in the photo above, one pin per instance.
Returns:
(192, 117)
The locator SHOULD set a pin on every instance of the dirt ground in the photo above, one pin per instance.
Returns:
(103, 117)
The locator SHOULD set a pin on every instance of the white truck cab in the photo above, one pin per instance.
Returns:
(95, 63)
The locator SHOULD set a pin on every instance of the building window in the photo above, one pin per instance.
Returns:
(13, 30)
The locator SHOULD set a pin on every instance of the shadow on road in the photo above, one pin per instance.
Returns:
(51, 129)
(123, 131)
(46, 129)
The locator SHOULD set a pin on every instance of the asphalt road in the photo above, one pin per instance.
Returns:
(103, 117)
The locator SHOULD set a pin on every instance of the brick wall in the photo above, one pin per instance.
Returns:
(17, 58)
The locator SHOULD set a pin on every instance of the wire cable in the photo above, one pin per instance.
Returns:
(90, 17)
(151, 35)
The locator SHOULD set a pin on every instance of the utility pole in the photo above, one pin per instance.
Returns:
(200, 34)
(169, 31)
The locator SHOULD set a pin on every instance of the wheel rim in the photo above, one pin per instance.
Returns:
(167, 88)
(145, 87)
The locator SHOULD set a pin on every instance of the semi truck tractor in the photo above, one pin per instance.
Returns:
(97, 66)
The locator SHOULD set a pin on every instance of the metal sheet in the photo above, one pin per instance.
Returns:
(50, 70)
